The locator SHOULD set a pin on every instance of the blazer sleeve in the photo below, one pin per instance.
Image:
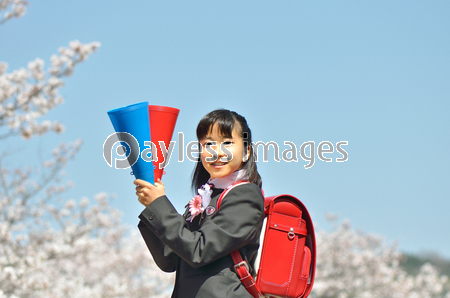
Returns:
(233, 226)
(163, 256)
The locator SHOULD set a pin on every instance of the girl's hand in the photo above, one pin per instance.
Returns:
(147, 192)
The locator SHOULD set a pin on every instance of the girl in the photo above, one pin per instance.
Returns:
(198, 244)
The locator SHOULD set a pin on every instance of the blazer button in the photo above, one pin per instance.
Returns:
(152, 216)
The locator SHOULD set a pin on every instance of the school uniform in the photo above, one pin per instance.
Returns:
(199, 251)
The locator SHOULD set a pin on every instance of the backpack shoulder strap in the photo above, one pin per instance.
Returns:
(241, 266)
(227, 190)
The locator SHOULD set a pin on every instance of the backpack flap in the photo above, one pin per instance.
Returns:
(288, 257)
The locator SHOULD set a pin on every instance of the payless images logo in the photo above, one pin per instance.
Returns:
(131, 152)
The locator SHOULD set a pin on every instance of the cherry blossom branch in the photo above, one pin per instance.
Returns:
(28, 94)
(21, 185)
(10, 9)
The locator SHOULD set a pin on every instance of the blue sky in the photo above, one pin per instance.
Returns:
(373, 73)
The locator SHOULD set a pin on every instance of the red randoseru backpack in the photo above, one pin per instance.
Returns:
(288, 254)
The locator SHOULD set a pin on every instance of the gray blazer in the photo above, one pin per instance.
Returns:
(199, 251)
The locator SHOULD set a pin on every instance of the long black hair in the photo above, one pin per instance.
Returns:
(226, 120)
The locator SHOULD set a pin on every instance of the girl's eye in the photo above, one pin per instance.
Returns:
(228, 143)
(208, 144)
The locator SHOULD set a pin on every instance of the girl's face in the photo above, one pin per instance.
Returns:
(222, 155)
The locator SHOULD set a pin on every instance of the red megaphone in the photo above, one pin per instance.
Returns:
(162, 124)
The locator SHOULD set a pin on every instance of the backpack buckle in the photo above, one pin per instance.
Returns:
(239, 265)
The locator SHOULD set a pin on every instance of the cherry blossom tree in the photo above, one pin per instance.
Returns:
(357, 264)
(51, 246)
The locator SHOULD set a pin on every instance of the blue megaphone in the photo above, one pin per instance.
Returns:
(134, 120)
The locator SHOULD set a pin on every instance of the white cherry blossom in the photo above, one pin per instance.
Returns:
(357, 264)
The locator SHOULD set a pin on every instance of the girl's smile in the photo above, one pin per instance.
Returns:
(218, 164)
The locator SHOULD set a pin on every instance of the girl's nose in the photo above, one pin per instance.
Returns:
(220, 153)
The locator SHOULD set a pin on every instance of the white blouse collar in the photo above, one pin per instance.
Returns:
(224, 182)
